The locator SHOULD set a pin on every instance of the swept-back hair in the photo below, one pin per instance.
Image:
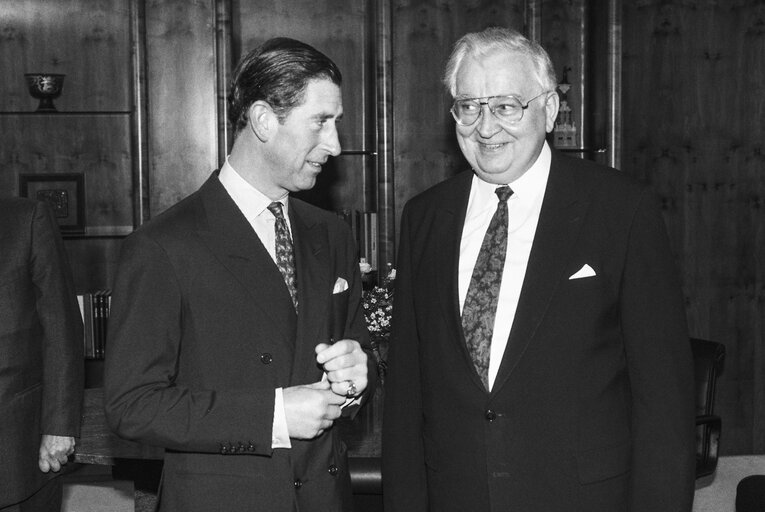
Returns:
(278, 73)
(492, 39)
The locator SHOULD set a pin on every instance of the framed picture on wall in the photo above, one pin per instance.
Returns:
(65, 193)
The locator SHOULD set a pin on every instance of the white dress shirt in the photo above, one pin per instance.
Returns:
(523, 215)
(254, 205)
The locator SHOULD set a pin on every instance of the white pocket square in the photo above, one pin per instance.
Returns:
(340, 286)
(585, 271)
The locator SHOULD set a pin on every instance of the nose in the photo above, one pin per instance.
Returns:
(332, 141)
(488, 125)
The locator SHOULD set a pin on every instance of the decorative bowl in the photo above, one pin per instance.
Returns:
(45, 87)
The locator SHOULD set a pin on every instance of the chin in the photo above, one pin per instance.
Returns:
(306, 184)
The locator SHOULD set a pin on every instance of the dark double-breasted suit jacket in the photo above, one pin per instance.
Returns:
(592, 407)
(41, 356)
(202, 332)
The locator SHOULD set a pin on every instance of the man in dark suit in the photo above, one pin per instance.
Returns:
(540, 360)
(41, 358)
(219, 347)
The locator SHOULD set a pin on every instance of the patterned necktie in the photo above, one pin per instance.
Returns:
(285, 257)
(480, 306)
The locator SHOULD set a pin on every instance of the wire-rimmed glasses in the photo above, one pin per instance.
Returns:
(505, 107)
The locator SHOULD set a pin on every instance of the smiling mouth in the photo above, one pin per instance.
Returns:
(315, 164)
(493, 147)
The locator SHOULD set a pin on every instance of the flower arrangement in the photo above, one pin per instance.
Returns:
(378, 313)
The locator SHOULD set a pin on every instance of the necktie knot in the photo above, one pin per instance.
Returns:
(503, 193)
(276, 209)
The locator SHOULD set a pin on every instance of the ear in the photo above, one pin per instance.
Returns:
(261, 120)
(551, 111)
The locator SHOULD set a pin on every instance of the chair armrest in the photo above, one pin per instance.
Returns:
(713, 421)
(707, 452)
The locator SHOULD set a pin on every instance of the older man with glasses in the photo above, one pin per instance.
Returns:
(540, 359)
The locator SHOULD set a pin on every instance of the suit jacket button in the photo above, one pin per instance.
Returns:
(333, 470)
(266, 358)
(298, 484)
(491, 415)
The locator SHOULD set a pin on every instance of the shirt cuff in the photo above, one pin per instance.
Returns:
(280, 437)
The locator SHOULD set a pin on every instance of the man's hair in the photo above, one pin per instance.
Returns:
(277, 72)
(493, 39)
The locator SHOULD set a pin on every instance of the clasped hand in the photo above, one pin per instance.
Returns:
(54, 452)
(313, 408)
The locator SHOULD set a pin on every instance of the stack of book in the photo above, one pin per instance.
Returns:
(94, 307)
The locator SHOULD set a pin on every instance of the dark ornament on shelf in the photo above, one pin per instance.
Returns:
(45, 87)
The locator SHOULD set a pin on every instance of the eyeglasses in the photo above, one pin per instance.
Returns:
(508, 109)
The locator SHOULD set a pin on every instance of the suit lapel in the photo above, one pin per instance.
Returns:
(228, 235)
(310, 240)
(563, 211)
(449, 221)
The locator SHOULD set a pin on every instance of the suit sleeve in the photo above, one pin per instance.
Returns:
(660, 369)
(403, 461)
(59, 314)
(142, 399)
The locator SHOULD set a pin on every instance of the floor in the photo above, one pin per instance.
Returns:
(717, 492)
(95, 488)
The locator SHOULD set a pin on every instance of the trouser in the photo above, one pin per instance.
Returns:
(47, 499)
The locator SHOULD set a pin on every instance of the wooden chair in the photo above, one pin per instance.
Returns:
(708, 357)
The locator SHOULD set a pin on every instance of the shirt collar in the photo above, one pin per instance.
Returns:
(525, 189)
(250, 200)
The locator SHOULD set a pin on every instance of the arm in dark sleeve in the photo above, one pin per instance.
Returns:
(403, 461)
(660, 369)
(59, 314)
(142, 400)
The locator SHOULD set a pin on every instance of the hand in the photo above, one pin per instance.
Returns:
(311, 409)
(345, 364)
(54, 452)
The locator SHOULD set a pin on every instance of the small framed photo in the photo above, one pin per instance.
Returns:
(65, 193)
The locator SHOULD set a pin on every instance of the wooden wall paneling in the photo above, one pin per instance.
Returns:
(139, 118)
(96, 146)
(533, 27)
(223, 69)
(87, 41)
(613, 87)
(386, 190)
(181, 98)
(565, 36)
(426, 150)
(692, 130)
(604, 58)
(744, 106)
(91, 134)
(339, 29)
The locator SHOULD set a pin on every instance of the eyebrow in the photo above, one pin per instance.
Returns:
(324, 117)
(468, 97)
